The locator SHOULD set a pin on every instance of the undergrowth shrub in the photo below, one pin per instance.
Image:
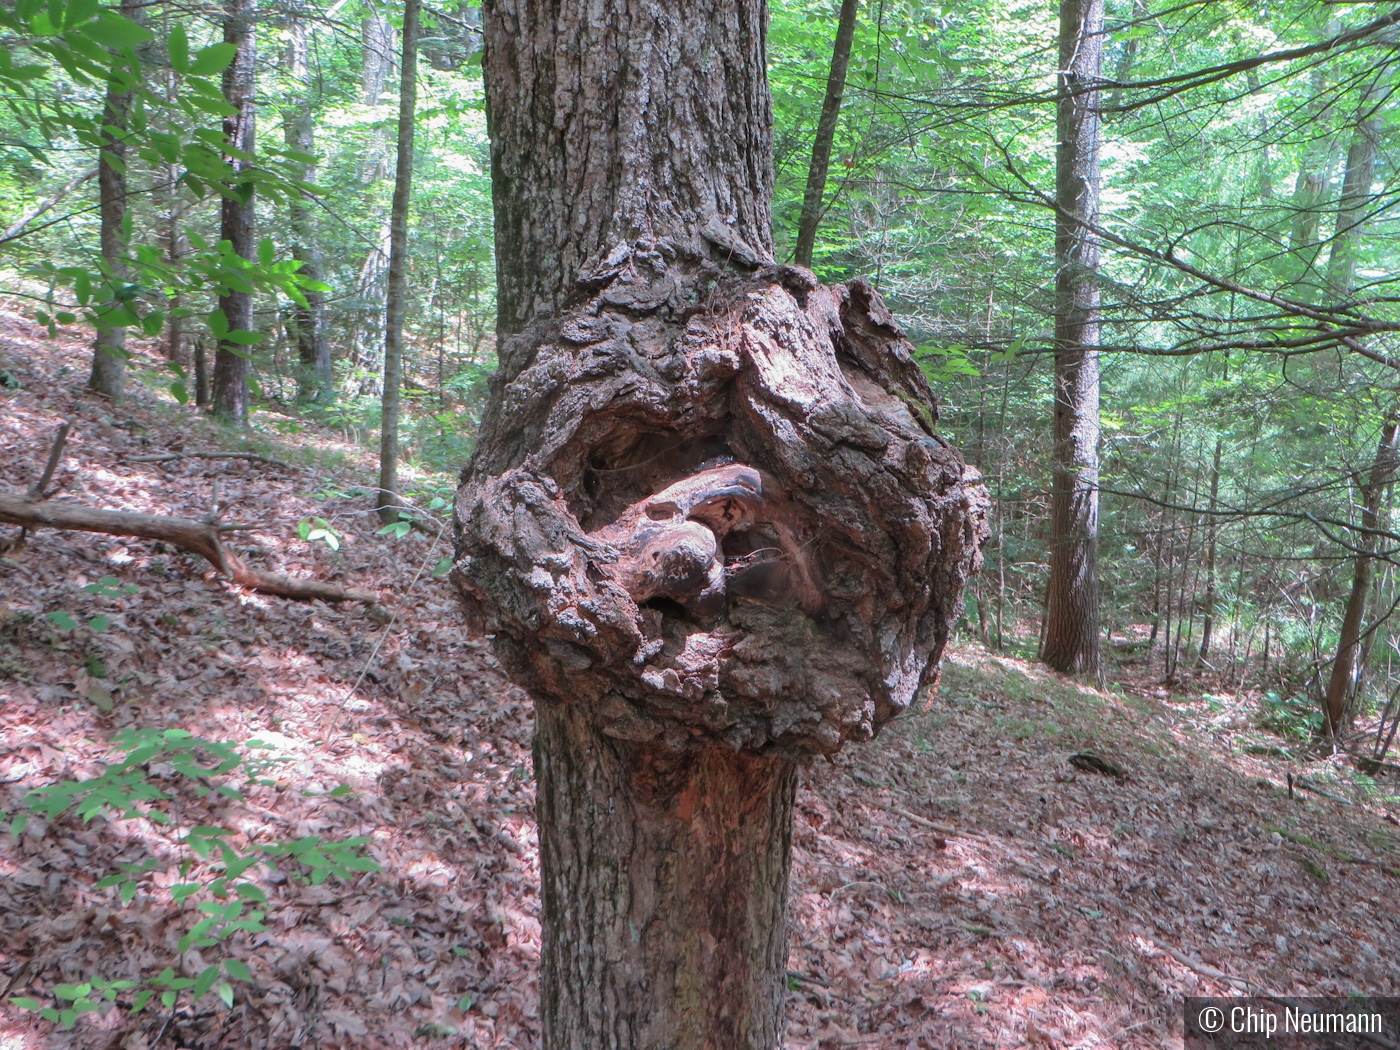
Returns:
(218, 881)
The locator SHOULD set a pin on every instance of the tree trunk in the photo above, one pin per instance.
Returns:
(377, 57)
(1355, 200)
(398, 271)
(1208, 619)
(174, 250)
(1344, 667)
(696, 862)
(202, 393)
(1341, 279)
(1071, 641)
(315, 378)
(232, 361)
(708, 523)
(1129, 56)
(1309, 188)
(109, 354)
(826, 133)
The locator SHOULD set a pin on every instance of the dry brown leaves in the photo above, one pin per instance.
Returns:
(1058, 915)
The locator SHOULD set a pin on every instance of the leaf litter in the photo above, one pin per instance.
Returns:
(956, 883)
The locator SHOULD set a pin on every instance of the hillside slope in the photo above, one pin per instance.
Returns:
(957, 883)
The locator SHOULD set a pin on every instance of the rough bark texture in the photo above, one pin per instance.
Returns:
(109, 355)
(396, 297)
(232, 364)
(731, 524)
(709, 523)
(622, 121)
(664, 891)
(315, 378)
(826, 134)
(1071, 636)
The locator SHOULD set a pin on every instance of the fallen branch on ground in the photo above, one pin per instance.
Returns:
(197, 537)
(252, 457)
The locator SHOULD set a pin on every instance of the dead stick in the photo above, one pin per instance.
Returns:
(942, 829)
(36, 491)
(166, 457)
(197, 537)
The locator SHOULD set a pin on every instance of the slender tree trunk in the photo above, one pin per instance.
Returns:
(1128, 58)
(1208, 619)
(232, 362)
(109, 354)
(1344, 668)
(398, 271)
(174, 231)
(202, 393)
(174, 249)
(1310, 189)
(1071, 640)
(315, 377)
(1341, 277)
(826, 134)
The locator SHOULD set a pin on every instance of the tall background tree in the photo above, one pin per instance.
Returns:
(232, 360)
(108, 376)
(826, 134)
(316, 375)
(1071, 631)
(397, 294)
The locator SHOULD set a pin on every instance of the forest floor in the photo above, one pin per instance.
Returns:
(956, 883)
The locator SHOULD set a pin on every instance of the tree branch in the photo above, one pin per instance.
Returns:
(197, 537)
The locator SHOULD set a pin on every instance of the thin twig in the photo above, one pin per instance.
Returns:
(384, 635)
(36, 491)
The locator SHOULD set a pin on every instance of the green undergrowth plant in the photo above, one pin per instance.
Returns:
(217, 879)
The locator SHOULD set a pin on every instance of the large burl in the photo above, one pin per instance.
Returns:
(719, 516)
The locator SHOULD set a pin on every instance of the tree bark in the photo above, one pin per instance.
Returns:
(1071, 640)
(315, 377)
(1355, 200)
(1344, 667)
(1341, 279)
(377, 57)
(709, 524)
(232, 361)
(1208, 619)
(826, 134)
(571, 191)
(397, 294)
(109, 353)
(692, 853)
(202, 393)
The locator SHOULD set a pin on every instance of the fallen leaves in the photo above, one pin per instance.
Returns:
(957, 883)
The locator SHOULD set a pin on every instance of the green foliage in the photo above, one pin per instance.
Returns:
(313, 529)
(217, 884)
(397, 529)
(1293, 717)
